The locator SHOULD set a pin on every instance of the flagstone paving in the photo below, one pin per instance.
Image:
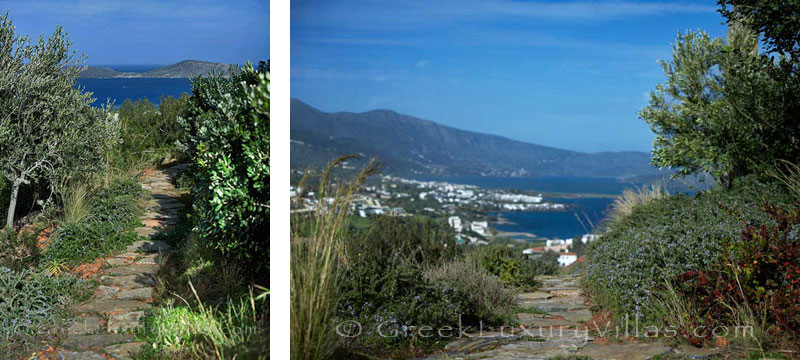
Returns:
(105, 322)
(557, 327)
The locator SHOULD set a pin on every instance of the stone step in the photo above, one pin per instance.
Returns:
(146, 232)
(124, 351)
(537, 295)
(125, 321)
(133, 269)
(86, 342)
(79, 355)
(143, 294)
(148, 246)
(129, 281)
(642, 351)
(85, 325)
(101, 306)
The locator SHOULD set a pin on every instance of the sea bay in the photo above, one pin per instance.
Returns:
(583, 215)
(119, 89)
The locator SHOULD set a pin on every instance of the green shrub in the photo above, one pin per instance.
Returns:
(18, 250)
(396, 298)
(759, 272)
(483, 296)
(511, 267)
(416, 241)
(670, 236)
(30, 300)
(149, 134)
(109, 227)
(228, 141)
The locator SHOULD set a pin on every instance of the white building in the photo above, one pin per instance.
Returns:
(423, 195)
(455, 222)
(567, 258)
(589, 238)
(479, 227)
(557, 242)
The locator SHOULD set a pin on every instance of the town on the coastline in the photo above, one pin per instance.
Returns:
(469, 209)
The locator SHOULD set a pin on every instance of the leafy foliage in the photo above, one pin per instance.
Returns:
(778, 21)
(416, 241)
(482, 296)
(511, 267)
(761, 270)
(724, 109)
(18, 250)
(49, 133)
(30, 300)
(228, 127)
(667, 237)
(109, 227)
(395, 298)
(149, 134)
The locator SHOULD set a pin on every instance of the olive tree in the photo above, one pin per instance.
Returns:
(721, 111)
(49, 133)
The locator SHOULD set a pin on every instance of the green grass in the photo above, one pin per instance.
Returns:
(359, 223)
(97, 226)
(233, 330)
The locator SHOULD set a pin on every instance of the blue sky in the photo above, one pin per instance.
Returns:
(571, 75)
(151, 31)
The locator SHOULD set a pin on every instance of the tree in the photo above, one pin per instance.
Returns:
(778, 21)
(722, 111)
(49, 133)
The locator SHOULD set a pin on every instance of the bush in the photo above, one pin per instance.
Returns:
(483, 296)
(759, 272)
(416, 241)
(228, 141)
(18, 250)
(396, 298)
(30, 300)
(667, 237)
(109, 227)
(149, 134)
(511, 267)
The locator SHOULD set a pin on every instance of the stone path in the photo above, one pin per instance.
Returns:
(555, 326)
(104, 323)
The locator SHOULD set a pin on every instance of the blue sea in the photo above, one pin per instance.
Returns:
(583, 215)
(119, 89)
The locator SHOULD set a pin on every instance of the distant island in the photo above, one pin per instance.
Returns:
(183, 69)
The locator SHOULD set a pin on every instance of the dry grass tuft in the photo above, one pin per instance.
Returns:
(631, 198)
(315, 258)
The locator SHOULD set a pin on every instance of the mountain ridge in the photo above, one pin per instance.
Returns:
(408, 144)
(181, 69)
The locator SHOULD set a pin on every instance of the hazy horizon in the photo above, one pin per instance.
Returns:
(151, 32)
(571, 75)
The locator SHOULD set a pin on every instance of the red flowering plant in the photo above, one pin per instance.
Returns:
(759, 271)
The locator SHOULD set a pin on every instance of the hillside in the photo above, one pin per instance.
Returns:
(406, 144)
(183, 69)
